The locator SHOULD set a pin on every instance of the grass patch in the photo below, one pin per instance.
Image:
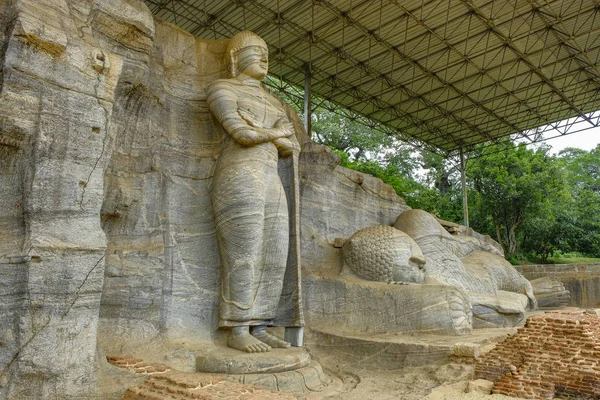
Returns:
(559, 258)
(574, 260)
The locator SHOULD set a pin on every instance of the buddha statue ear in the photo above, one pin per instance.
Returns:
(233, 67)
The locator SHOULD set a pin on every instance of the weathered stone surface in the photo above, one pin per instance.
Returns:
(466, 349)
(355, 304)
(549, 291)
(305, 381)
(230, 361)
(480, 386)
(495, 311)
(335, 203)
(305, 377)
(162, 263)
(57, 91)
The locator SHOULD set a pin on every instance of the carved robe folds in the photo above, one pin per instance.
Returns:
(255, 216)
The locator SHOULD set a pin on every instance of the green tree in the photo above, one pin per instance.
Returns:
(514, 184)
(550, 229)
(342, 133)
(583, 177)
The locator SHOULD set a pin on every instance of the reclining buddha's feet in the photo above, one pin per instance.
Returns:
(241, 339)
(260, 333)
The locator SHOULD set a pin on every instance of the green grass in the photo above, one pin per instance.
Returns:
(559, 258)
(574, 260)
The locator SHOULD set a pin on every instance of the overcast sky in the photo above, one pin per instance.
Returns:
(586, 140)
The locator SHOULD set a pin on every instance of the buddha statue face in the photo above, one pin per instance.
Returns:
(253, 62)
(411, 263)
(248, 54)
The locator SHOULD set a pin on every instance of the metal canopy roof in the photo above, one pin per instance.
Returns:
(448, 73)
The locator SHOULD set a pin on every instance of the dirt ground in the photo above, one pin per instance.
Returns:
(386, 378)
(355, 374)
(441, 381)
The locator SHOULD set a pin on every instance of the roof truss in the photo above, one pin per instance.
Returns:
(445, 73)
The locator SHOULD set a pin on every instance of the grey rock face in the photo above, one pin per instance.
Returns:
(57, 90)
(162, 259)
(107, 152)
(335, 203)
(346, 303)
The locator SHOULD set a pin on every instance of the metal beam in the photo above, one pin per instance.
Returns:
(540, 65)
(308, 100)
(463, 183)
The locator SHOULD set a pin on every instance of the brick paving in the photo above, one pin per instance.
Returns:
(164, 383)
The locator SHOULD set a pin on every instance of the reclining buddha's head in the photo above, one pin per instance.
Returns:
(385, 254)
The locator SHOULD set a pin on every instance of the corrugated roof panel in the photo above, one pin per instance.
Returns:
(440, 70)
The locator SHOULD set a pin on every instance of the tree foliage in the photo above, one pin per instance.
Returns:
(583, 177)
(515, 185)
(351, 137)
(533, 203)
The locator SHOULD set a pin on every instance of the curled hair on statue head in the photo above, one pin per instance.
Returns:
(237, 43)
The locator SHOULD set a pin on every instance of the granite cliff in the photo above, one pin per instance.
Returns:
(107, 149)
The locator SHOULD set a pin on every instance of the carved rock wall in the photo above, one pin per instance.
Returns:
(358, 305)
(56, 98)
(106, 157)
(162, 263)
(335, 203)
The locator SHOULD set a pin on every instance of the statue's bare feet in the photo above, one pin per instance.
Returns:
(241, 339)
(260, 332)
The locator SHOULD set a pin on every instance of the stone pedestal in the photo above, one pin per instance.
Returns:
(287, 370)
(231, 361)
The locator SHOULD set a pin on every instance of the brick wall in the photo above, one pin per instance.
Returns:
(556, 353)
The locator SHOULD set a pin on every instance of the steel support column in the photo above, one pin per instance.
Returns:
(307, 99)
(463, 181)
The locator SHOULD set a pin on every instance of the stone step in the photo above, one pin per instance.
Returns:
(397, 350)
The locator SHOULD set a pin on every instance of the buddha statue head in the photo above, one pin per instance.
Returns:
(247, 54)
(385, 254)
